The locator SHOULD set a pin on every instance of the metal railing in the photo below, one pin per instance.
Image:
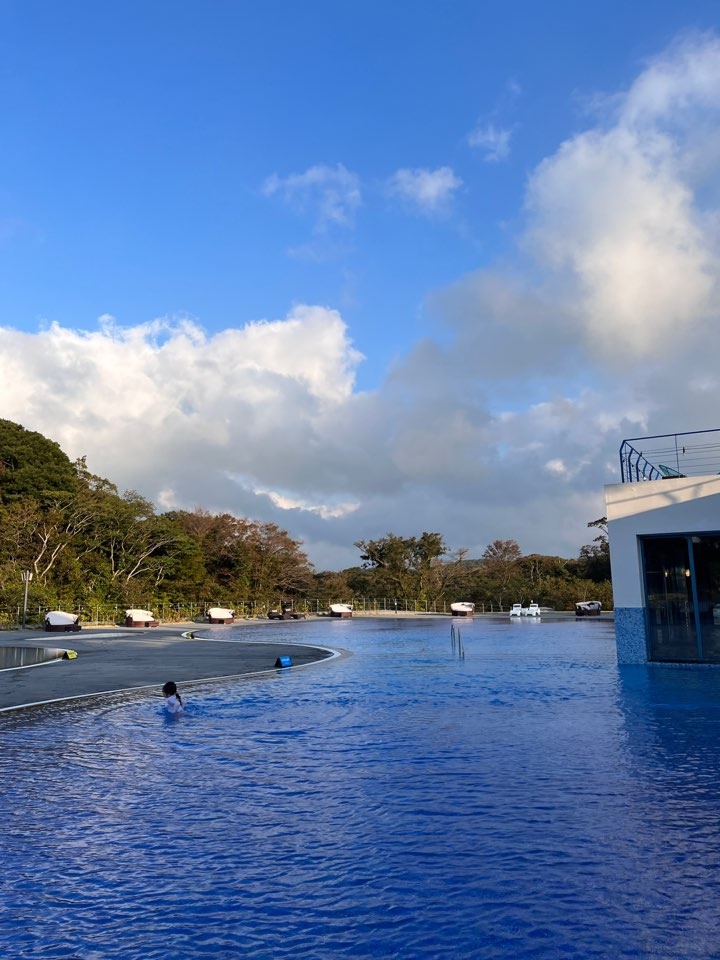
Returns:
(666, 455)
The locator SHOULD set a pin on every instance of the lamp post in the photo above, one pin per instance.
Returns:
(26, 578)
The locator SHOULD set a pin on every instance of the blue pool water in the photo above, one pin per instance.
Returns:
(531, 800)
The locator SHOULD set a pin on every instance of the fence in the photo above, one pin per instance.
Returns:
(96, 614)
(690, 454)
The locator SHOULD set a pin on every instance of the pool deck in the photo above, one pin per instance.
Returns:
(112, 659)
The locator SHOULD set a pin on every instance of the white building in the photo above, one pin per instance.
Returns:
(664, 537)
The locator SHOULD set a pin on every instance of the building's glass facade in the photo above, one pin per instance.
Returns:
(682, 595)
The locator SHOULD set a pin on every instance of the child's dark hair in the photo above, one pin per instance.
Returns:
(170, 689)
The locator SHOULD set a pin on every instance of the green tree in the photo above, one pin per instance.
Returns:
(501, 574)
(226, 558)
(593, 562)
(405, 566)
(247, 559)
(330, 585)
(129, 549)
(279, 566)
(32, 467)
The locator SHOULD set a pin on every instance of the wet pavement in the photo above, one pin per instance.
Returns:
(110, 659)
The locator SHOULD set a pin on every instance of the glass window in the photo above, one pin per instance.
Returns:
(668, 586)
(706, 562)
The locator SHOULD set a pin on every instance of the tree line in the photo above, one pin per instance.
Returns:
(86, 543)
(422, 569)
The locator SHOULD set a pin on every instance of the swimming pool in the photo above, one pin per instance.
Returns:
(531, 800)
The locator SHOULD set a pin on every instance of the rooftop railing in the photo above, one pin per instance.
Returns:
(667, 455)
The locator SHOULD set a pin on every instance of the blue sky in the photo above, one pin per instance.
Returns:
(358, 267)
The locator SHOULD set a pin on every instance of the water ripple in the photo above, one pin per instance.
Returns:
(531, 801)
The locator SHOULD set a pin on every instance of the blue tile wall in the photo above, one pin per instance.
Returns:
(630, 635)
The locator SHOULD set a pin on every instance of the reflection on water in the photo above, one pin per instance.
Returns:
(671, 719)
(529, 800)
(12, 657)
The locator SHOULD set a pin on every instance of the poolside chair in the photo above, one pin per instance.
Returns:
(668, 472)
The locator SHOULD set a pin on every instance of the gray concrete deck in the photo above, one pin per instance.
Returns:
(115, 658)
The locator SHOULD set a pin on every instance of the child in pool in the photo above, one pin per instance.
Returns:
(173, 700)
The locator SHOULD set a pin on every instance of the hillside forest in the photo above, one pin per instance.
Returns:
(87, 545)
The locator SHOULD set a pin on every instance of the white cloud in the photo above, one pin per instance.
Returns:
(429, 191)
(681, 81)
(604, 327)
(556, 466)
(182, 404)
(264, 421)
(327, 511)
(490, 137)
(620, 213)
(619, 260)
(493, 141)
(613, 212)
(331, 195)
